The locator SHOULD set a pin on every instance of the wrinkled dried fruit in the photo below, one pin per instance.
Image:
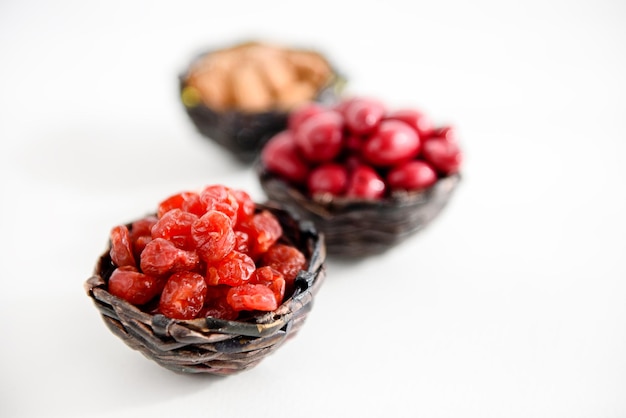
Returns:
(252, 297)
(135, 287)
(183, 295)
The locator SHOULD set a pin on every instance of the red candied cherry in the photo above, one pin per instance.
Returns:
(246, 205)
(219, 197)
(320, 137)
(365, 183)
(183, 295)
(263, 231)
(234, 269)
(213, 235)
(302, 113)
(251, 297)
(445, 156)
(187, 201)
(393, 142)
(272, 279)
(162, 257)
(135, 287)
(121, 251)
(415, 119)
(280, 156)
(216, 305)
(412, 175)
(242, 242)
(328, 178)
(175, 226)
(287, 260)
(362, 115)
(141, 234)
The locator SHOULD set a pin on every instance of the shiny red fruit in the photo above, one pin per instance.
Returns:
(175, 226)
(447, 132)
(417, 120)
(445, 156)
(161, 257)
(271, 278)
(183, 295)
(363, 115)
(365, 183)
(329, 178)
(394, 142)
(234, 269)
(252, 297)
(213, 235)
(135, 287)
(121, 247)
(413, 175)
(280, 156)
(320, 137)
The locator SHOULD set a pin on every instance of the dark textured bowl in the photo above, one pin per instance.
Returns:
(210, 345)
(360, 228)
(243, 133)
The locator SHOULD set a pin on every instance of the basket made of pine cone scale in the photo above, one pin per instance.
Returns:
(360, 228)
(210, 345)
(243, 133)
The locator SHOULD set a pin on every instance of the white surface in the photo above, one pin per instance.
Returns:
(512, 304)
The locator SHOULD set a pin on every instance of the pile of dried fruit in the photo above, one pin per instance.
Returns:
(205, 253)
(256, 77)
(360, 149)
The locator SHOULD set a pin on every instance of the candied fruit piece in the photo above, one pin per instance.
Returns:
(213, 235)
(251, 297)
(183, 295)
(287, 260)
(135, 287)
(175, 226)
(272, 279)
(242, 242)
(219, 198)
(263, 231)
(246, 205)
(187, 201)
(234, 269)
(216, 305)
(141, 234)
(121, 248)
(161, 257)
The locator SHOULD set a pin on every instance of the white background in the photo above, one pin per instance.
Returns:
(511, 304)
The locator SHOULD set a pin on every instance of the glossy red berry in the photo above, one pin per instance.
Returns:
(446, 132)
(394, 142)
(121, 251)
(281, 157)
(213, 235)
(287, 260)
(329, 178)
(263, 231)
(183, 295)
(363, 115)
(220, 198)
(412, 175)
(320, 137)
(252, 297)
(175, 226)
(135, 287)
(445, 156)
(272, 279)
(365, 183)
(161, 257)
(234, 269)
(187, 201)
(416, 119)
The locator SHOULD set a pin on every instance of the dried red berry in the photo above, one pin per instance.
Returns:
(287, 260)
(121, 248)
(272, 279)
(183, 295)
(246, 205)
(135, 287)
(251, 297)
(234, 269)
(263, 231)
(213, 235)
(161, 257)
(175, 226)
(218, 197)
(187, 201)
